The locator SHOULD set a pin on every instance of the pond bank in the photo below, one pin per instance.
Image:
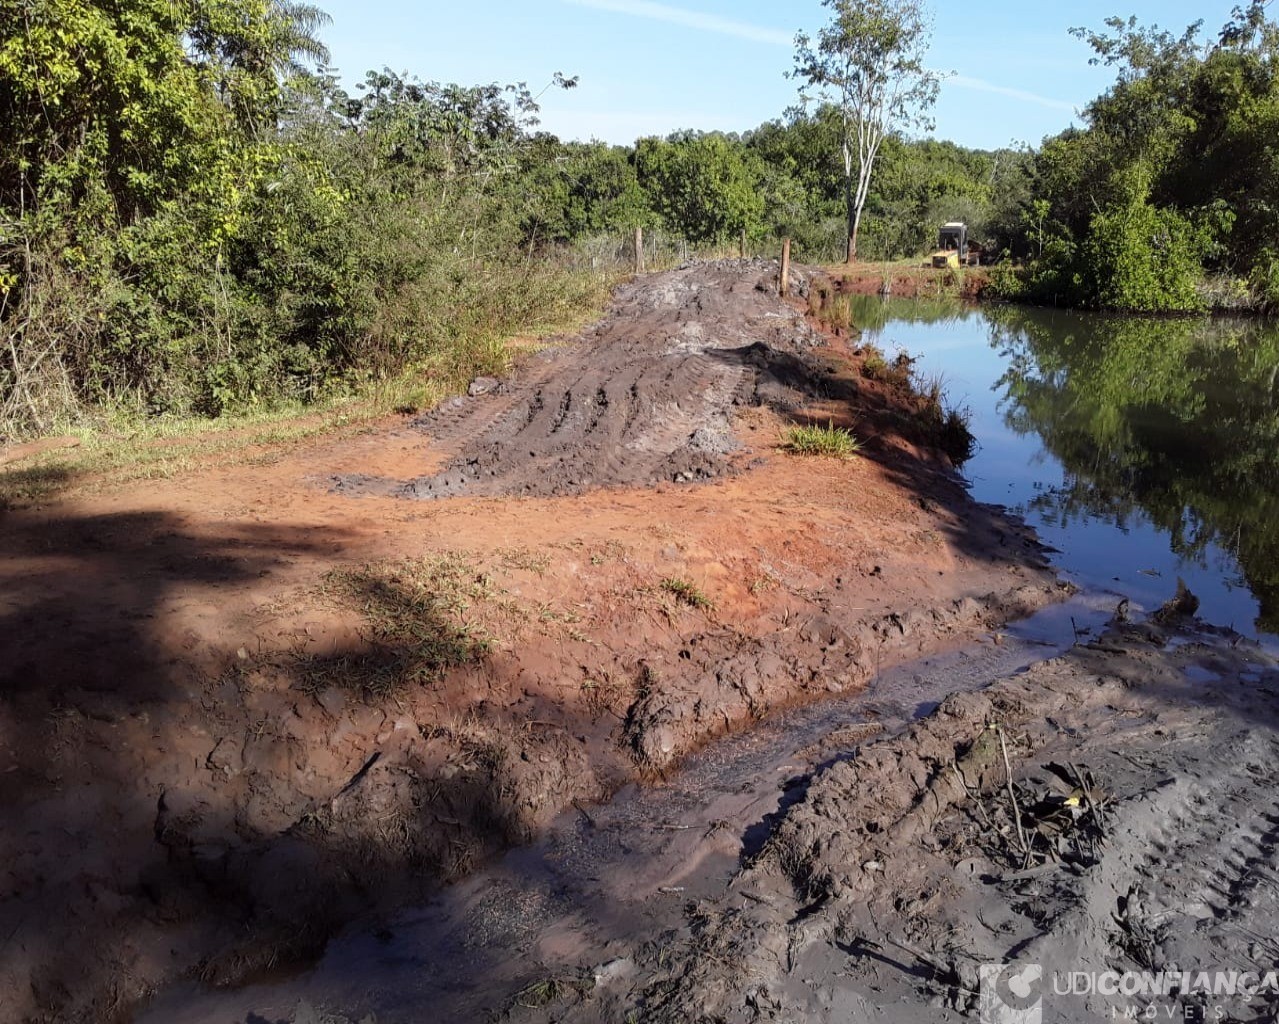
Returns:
(907, 279)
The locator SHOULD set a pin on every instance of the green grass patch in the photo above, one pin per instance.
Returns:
(830, 441)
(112, 454)
(417, 623)
(686, 592)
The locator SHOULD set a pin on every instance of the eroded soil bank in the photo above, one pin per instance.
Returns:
(243, 706)
(910, 282)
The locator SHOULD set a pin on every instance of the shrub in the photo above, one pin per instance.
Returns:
(954, 435)
(1264, 280)
(898, 373)
(1140, 258)
(1006, 281)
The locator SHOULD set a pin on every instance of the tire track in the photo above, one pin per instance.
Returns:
(646, 396)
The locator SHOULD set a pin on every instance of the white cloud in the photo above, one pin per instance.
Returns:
(690, 19)
(980, 85)
(776, 37)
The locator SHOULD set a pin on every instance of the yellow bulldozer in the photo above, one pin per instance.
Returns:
(953, 249)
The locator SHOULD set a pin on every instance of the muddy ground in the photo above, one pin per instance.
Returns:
(1111, 810)
(240, 707)
(862, 859)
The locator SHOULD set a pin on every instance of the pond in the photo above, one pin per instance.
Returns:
(1143, 450)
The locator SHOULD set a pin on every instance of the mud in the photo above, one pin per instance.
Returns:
(604, 880)
(215, 751)
(647, 396)
(1144, 768)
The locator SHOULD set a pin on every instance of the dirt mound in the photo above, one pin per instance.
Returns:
(646, 396)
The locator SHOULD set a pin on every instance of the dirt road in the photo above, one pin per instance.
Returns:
(243, 706)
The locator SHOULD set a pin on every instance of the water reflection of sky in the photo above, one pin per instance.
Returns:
(1129, 557)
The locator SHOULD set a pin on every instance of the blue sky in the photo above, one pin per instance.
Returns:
(650, 68)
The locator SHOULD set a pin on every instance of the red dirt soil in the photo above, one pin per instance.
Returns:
(918, 282)
(180, 791)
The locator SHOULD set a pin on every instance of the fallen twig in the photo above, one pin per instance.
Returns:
(1012, 792)
(972, 794)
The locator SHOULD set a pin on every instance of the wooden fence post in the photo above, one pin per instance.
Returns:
(784, 287)
(743, 244)
(639, 250)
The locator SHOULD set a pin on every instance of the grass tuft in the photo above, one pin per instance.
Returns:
(687, 592)
(416, 623)
(540, 994)
(525, 559)
(830, 440)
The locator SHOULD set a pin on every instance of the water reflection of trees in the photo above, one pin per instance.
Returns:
(875, 312)
(1173, 420)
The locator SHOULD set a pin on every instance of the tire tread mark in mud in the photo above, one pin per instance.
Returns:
(562, 413)
(1200, 852)
(599, 410)
(648, 394)
(614, 456)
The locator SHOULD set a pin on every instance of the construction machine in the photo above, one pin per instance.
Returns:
(953, 248)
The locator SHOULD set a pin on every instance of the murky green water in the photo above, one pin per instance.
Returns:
(1143, 449)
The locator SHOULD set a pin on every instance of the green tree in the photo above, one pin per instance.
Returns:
(125, 164)
(705, 187)
(1139, 257)
(1174, 179)
(869, 62)
(576, 190)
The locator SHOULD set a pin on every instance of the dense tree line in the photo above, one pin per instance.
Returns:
(192, 221)
(195, 216)
(1168, 198)
(781, 179)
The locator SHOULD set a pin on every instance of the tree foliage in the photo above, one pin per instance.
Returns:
(196, 217)
(869, 64)
(704, 187)
(1172, 179)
